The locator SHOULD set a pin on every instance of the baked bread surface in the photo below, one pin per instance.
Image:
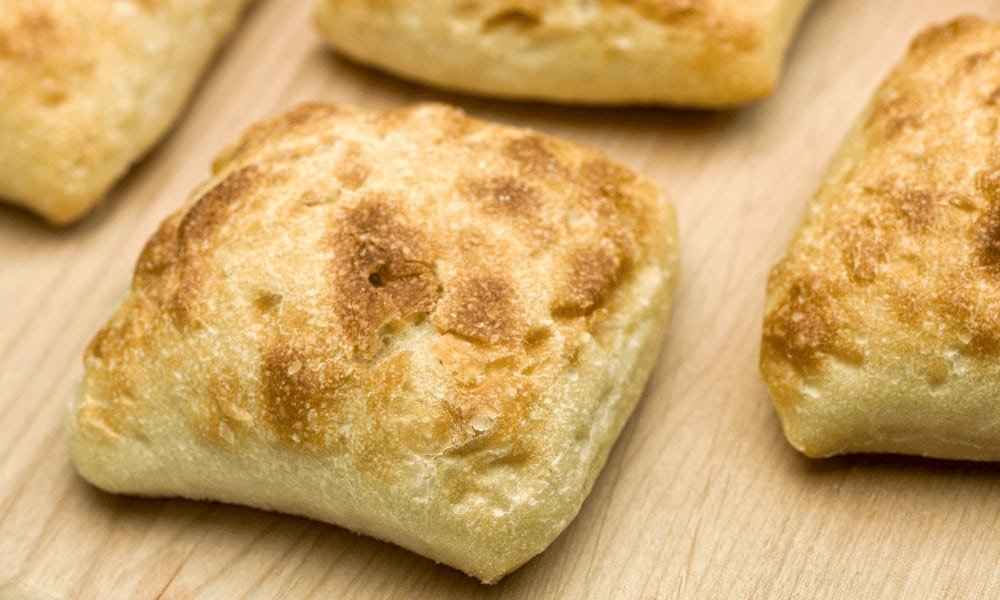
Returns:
(87, 86)
(882, 326)
(708, 53)
(413, 324)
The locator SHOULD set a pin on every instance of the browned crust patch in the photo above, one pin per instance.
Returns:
(532, 155)
(298, 396)
(988, 235)
(482, 308)
(382, 271)
(808, 324)
(505, 195)
(196, 235)
(594, 273)
(934, 38)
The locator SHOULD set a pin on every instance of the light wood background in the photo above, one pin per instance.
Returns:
(701, 497)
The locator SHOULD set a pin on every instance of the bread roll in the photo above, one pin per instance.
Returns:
(705, 53)
(87, 86)
(882, 327)
(416, 325)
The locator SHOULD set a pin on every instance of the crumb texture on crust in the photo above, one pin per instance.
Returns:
(87, 87)
(709, 53)
(882, 326)
(412, 324)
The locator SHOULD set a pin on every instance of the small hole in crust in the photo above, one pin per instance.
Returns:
(514, 18)
(53, 97)
(266, 301)
(538, 336)
(382, 276)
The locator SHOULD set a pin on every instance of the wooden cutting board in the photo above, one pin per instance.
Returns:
(701, 497)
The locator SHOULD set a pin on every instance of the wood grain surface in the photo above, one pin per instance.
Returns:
(701, 498)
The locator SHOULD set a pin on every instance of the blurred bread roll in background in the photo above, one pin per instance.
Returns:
(88, 86)
(697, 53)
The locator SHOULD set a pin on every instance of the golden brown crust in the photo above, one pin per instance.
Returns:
(447, 345)
(381, 273)
(708, 53)
(881, 327)
(87, 87)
